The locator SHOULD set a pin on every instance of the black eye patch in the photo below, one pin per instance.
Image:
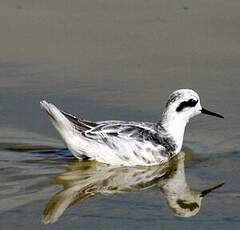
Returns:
(185, 104)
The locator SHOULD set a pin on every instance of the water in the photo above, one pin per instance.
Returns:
(116, 60)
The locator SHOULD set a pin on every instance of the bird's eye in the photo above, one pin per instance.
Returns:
(192, 102)
(185, 104)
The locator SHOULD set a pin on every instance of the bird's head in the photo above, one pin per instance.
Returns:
(185, 104)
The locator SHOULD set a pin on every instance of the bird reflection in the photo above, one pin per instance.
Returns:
(82, 180)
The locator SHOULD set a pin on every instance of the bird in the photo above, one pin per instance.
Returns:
(129, 143)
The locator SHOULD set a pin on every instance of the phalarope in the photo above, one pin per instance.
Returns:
(126, 142)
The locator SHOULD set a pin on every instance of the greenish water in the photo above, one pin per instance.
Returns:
(117, 60)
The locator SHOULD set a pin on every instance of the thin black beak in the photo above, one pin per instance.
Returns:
(211, 113)
(205, 192)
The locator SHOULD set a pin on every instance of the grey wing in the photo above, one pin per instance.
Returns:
(144, 131)
(109, 128)
(80, 124)
(138, 131)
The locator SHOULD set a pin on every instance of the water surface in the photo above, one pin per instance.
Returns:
(116, 60)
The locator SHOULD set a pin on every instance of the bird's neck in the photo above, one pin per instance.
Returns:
(174, 127)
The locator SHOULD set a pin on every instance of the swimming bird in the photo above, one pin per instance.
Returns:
(129, 143)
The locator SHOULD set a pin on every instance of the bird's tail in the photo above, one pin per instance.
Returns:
(70, 129)
(63, 125)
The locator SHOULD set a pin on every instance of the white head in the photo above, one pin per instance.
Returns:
(184, 104)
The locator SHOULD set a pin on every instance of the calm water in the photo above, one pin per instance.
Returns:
(118, 60)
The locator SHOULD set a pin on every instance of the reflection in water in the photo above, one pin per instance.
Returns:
(86, 179)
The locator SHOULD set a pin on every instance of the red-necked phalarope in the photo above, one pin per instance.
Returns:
(125, 142)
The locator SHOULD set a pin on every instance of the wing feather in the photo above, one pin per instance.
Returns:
(80, 124)
(130, 130)
(138, 131)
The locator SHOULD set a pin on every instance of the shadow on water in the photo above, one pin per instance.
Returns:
(82, 180)
(37, 149)
(27, 171)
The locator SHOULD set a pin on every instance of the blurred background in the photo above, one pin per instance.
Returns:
(117, 60)
(109, 59)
